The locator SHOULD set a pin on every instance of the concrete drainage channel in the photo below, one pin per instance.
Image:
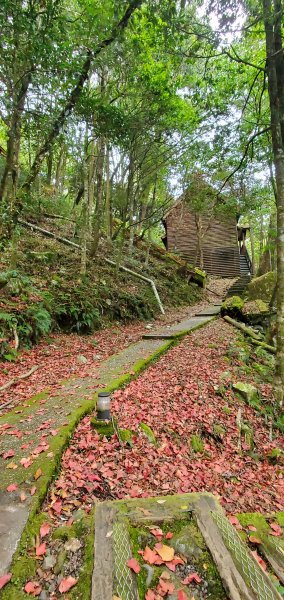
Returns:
(115, 372)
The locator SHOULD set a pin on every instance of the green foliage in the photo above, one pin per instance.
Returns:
(232, 306)
(196, 443)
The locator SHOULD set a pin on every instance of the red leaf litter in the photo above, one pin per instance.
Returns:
(177, 398)
(58, 359)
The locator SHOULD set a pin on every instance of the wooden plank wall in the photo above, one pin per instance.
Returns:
(220, 244)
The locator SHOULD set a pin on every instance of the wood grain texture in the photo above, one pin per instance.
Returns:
(102, 582)
(232, 580)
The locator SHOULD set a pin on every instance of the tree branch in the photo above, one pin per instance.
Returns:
(251, 139)
(75, 94)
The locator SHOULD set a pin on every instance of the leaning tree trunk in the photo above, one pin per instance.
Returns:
(275, 71)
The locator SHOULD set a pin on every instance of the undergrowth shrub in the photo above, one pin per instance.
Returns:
(29, 324)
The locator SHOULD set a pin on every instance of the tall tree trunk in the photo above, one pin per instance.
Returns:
(58, 172)
(108, 206)
(130, 200)
(99, 209)
(275, 73)
(252, 247)
(11, 170)
(49, 162)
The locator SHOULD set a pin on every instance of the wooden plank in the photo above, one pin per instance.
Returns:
(232, 580)
(275, 558)
(102, 581)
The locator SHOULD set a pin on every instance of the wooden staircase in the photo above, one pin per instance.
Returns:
(238, 288)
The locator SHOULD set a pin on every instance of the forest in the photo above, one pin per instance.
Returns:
(141, 229)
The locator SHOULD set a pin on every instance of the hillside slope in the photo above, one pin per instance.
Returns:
(42, 288)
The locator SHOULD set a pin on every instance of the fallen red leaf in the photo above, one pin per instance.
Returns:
(276, 529)
(192, 577)
(44, 529)
(12, 487)
(66, 584)
(33, 588)
(41, 549)
(4, 579)
(133, 565)
(259, 560)
(9, 454)
(234, 521)
(254, 540)
(150, 595)
(151, 557)
(157, 533)
(181, 595)
(165, 587)
(169, 535)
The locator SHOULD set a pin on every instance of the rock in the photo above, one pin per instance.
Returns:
(247, 391)
(199, 277)
(81, 359)
(72, 545)
(232, 307)
(185, 543)
(262, 287)
(148, 326)
(78, 515)
(61, 558)
(49, 562)
(43, 595)
(256, 312)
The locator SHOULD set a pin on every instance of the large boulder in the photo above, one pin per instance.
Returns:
(233, 307)
(256, 312)
(262, 287)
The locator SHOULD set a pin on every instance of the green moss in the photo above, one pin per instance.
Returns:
(262, 287)
(126, 436)
(275, 456)
(232, 306)
(82, 591)
(103, 428)
(196, 443)
(256, 519)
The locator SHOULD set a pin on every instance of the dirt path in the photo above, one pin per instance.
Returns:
(34, 435)
(60, 355)
(195, 449)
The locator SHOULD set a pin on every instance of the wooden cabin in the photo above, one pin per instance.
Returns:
(217, 235)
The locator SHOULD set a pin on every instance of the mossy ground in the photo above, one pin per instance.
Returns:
(24, 565)
(51, 294)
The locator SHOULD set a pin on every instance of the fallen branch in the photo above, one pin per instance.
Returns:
(19, 378)
(2, 406)
(248, 331)
(265, 346)
(49, 234)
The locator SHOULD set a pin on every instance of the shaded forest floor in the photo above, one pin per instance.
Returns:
(186, 400)
(193, 442)
(61, 356)
(196, 432)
